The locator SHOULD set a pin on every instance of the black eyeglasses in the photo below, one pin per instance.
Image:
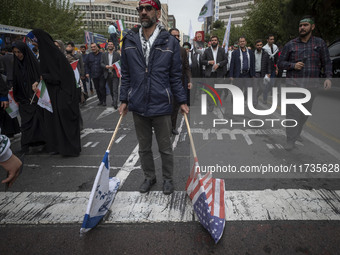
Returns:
(147, 8)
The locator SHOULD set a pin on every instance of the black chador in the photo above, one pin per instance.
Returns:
(63, 124)
(25, 73)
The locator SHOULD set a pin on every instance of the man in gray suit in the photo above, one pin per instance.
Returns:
(110, 75)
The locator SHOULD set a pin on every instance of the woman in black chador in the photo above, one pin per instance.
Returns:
(25, 75)
(63, 130)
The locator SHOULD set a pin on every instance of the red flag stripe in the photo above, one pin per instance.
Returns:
(213, 197)
(222, 199)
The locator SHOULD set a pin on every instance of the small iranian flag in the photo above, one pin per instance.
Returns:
(76, 72)
(120, 25)
(13, 108)
(44, 98)
(116, 66)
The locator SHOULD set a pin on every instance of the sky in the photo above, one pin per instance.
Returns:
(184, 11)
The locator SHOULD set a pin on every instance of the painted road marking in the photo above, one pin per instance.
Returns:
(94, 145)
(108, 111)
(133, 207)
(87, 145)
(128, 166)
(120, 138)
(270, 146)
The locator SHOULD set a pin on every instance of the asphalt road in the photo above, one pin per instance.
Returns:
(266, 213)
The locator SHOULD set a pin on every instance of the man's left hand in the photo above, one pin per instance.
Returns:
(327, 84)
(184, 108)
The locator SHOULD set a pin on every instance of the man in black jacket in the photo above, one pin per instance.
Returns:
(214, 59)
(95, 72)
(108, 60)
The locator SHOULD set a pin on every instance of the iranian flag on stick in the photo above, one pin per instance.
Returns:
(76, 72)
(44, 98)
(120, 25)
(13, 108)
(116, 66)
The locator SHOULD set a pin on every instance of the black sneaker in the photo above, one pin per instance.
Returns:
(100, 103)
(146, 185)
(289, 146)
(104, 104)
(168, 187)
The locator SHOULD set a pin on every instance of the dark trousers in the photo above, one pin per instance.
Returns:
(113, 83)
(268, 87)
(244, 81)
(162, 128)
(294, 113)
(113, 38)
(99, 85)
(258, 88)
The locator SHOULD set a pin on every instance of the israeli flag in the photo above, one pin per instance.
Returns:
(102, 195)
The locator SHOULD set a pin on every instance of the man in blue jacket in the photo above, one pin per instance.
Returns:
(242, 65)
(151, 74)
(95, 71)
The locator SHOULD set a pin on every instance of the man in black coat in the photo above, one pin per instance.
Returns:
(214, 59)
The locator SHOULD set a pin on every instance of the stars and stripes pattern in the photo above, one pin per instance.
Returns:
(208, 196)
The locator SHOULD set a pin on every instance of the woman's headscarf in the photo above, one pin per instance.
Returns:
(54, 63)
(25, 72)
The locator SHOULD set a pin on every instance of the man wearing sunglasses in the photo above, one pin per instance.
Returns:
(151, 74)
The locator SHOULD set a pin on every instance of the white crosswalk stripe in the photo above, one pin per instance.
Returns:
(133, 207)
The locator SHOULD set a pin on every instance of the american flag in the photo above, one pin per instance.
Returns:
(207, 195)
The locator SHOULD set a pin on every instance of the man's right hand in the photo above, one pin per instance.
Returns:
(299, 65)
(123, 109)
(4, 104)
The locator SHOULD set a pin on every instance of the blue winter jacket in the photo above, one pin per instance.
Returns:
(148, 90)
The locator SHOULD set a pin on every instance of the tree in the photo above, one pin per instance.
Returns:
(57, 17)
(281, 18)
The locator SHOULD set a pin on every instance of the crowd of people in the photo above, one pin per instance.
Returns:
(156, 79)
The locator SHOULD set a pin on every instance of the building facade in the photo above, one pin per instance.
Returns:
(172, 21)
(237, 9)
(103, 12)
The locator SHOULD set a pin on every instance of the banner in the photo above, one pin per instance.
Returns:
(44, 98)
(102, 195)
(94, 38)
(13, 108)
(206, 11)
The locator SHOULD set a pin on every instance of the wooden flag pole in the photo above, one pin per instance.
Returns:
(115, 132)
(190, 136)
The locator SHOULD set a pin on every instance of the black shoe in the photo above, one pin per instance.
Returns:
(146, 185)
(168, 187)
(104, 104)
(299, 139)
(174, 131)
(100, 103)
(289, 146)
